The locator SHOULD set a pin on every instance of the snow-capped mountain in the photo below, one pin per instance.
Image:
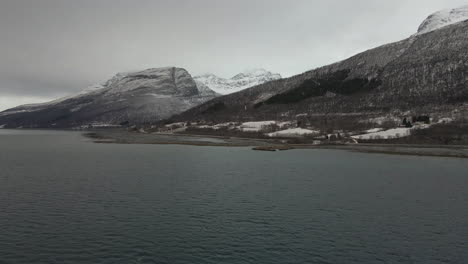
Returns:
(135, 97)
(443, 18)
(237, 83)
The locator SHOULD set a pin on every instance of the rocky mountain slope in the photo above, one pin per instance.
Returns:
(425, 74)
(237, 83)
(138, 97)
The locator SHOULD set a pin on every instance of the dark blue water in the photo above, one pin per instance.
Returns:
(66, 200)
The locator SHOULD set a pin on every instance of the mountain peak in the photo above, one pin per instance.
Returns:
(251, 73)
(443, 18)
(241, 81)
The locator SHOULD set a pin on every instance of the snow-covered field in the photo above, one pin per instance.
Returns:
(380, 120)
(379, 133)
(282, 129)
(445, 120)
(255, 126)
(374, 130)
(294, 132)
(176, 125)
(224, 125)
(386, 134)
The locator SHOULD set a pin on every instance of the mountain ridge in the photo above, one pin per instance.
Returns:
(238, 82)
(134, 97)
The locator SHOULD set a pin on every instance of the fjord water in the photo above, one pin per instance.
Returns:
(64, 199)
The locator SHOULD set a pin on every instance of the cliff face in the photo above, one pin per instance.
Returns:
(139, 97)
(425, 73)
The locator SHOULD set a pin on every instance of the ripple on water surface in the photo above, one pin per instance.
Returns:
(66, 200)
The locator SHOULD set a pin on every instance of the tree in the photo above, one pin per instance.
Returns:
(407, 123)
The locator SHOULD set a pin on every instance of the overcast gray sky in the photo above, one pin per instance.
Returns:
(52, 48)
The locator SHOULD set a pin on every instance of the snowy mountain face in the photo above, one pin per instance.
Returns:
(443, 18)
(237, 83)
(136, 97)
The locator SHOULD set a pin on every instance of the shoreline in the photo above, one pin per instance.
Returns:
(125, 137)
